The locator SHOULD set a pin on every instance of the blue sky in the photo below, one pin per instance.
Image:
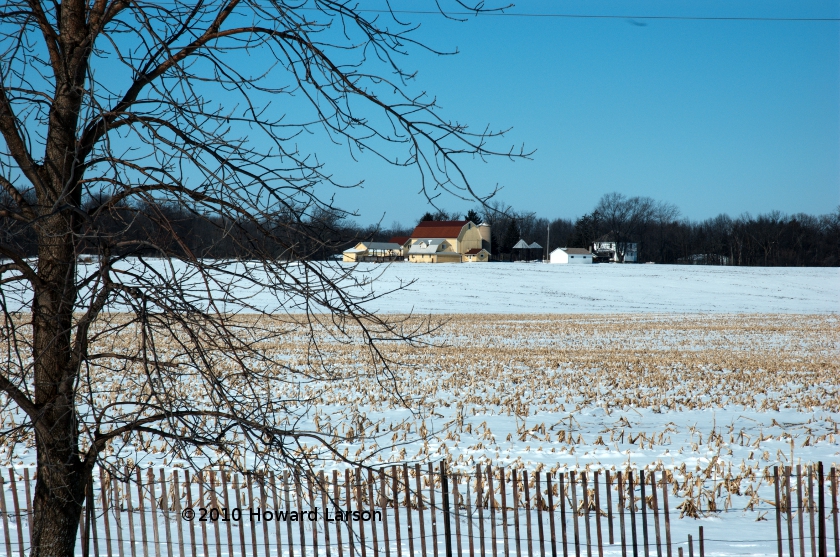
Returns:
(713, 116)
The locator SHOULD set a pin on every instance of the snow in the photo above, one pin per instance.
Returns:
(760, 437)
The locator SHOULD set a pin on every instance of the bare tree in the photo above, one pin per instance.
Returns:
(120, 119)
(624, 218)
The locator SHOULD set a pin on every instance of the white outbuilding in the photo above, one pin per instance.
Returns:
(570, 256)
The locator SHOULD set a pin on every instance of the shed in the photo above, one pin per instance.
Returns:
(570, 256)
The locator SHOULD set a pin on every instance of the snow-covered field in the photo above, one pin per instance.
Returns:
(541, 288)
(709, 373)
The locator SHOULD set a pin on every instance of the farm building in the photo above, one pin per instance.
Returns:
(608, 252)
(432, 250)
(449, 242)
(373, 251)
(570, 256)
(476, 255)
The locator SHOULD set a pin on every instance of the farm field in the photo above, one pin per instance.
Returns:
(712, 398)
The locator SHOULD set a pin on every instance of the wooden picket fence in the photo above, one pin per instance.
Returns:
(404, 510)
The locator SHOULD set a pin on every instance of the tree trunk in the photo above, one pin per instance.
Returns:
(59, 490)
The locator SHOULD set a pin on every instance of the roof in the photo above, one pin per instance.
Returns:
(521, 244)
(401, 240)
(474, 251)
(382, 245)
(535, 246)
(426, 246)
(574, 251)
(439, 228)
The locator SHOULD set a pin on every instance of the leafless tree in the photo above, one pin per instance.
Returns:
(624, 217)
(118, 118)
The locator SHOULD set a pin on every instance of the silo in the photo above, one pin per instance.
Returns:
(484, 230)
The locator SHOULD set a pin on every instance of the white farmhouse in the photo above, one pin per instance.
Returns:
(570, 256)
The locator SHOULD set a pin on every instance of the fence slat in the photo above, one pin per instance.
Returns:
(799, 508)
(117, 506)
(503, 495)
(809, 471)
(778, 511)
(527, 513)
(622, 530)
(598, 515)
(180, 523)
(103, 492)
(667, 516)
(337, 505)
(347, 492)
(264, 503)
(834, 510)
(141, 506)
(479, 502)
(492, 504)
(573, 487)
(372, 507)
(409, 523)
(396, 493)
(214, 504)
(200, 505)
(631, 493)
(419, 490)
(552, 529)
(249, 480)
(656, 531)
(584, 486)
(288, 501)
(29, 503)
(383, 504)
(229, 524)
(299, 505)
(322, 481)
(563, 531)
(165, 508)
(130, 507)
(18, 517)
(642, 483)
(470, 519)
(538, 504)
(432, 510)
(608, 488)
(6, 533)
(312, 505)
(359, 507)
(456, 505)
(789, 509)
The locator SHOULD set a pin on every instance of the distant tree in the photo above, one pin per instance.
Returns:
(473, 216)
(511, 236)
(587, 230)
(427, 217)
(624, 218)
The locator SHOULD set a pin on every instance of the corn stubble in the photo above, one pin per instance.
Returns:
(479, 371)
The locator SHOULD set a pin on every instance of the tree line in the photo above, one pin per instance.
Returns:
(661, 234)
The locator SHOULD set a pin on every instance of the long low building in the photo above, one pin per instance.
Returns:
(373, 251)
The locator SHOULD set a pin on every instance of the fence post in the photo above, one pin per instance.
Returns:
(799, 509)
(538, 504)
(418, 487)
(447, 528)
(809, 470)
(30, 511)
(702, 549)
(573, 486)
(479, 501)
